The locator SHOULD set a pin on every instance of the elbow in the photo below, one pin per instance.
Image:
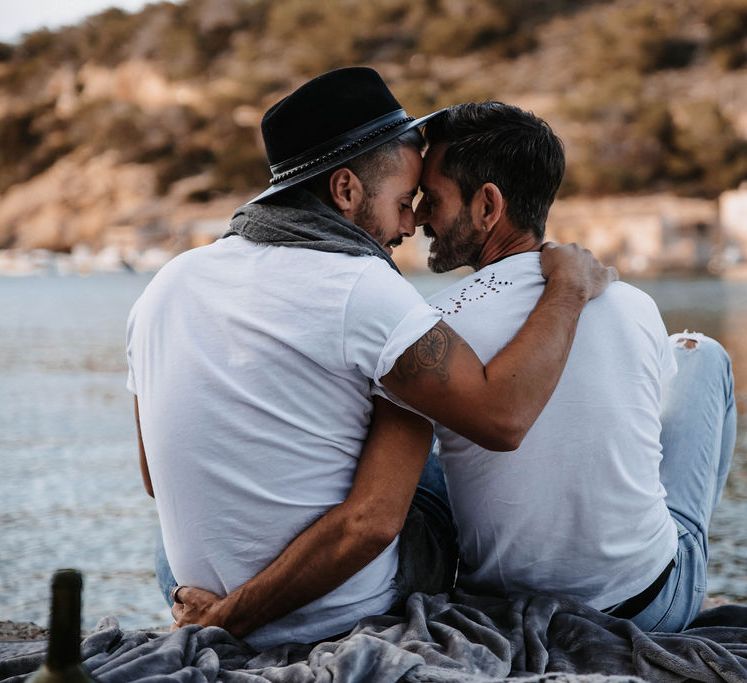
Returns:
(380, 534)
(504, 436)
(386, 532)
(372, 533)
(380, 539)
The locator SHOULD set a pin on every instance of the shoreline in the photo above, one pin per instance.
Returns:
(22, 630)
(411, 258)
(15, 631)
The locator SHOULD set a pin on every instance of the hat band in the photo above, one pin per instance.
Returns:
(337, 145)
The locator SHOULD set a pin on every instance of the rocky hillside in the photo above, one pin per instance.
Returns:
(140, 126)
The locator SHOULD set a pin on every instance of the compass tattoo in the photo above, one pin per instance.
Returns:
(429, 353)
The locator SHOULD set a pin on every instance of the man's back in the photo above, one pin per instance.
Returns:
(578, 508)
(252, 366)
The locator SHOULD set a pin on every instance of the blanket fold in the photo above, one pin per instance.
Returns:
(439, 638)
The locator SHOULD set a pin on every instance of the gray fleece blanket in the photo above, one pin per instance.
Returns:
(462, 638)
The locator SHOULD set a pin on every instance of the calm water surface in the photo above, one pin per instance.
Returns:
(70, 490)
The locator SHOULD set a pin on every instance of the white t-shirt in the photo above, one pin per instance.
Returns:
(252, 366)
(579, 507)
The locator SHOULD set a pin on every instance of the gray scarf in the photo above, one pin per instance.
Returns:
(300, 219)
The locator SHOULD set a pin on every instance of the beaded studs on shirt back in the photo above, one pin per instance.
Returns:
(478, 289)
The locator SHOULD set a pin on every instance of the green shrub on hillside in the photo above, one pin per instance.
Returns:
(727, 23)
(707, 155)
(246, 54)
(459, 28)
(640, 37)
(106, 38)
(617, 97)
(693, 148)
(31, 140)
(316, 37)
(240, 165)
(6, 52)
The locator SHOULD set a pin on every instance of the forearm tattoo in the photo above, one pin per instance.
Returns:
(429, 354)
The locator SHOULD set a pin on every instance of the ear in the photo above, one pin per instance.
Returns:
(346, 191)
(488, 207)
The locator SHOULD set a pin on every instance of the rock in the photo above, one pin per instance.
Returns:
(72, 202)
(22, 630)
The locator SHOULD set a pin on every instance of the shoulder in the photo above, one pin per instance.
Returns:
(171, 281)
(381, 281)
(180, 264)
(377, 268)
(630, 311)
(626, 295)
(381, 299)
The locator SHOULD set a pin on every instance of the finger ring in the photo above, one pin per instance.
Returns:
(174, 594)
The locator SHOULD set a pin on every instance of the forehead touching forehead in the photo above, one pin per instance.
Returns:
(395, 158)
(406, 171)
(433, 181)
(432, 164)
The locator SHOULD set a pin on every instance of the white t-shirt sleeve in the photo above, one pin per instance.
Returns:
(384, 316)
(383, 392)
(131, 387)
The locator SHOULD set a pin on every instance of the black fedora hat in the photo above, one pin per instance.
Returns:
(328, 121)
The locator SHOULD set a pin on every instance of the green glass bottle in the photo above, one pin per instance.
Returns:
(63, 652)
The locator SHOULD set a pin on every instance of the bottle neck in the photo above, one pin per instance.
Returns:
(64, 637)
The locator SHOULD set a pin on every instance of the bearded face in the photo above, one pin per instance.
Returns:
(455, 245)
(386, 211)
(365, 217)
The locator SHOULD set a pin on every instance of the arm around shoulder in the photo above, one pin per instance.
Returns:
(496, 404)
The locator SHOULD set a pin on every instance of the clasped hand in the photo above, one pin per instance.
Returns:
(196, 606)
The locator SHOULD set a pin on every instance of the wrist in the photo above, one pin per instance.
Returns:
(232, 619)
(222, 615)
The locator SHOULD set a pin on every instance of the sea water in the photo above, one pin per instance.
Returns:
(70, 487)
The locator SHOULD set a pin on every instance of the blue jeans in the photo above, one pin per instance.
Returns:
(427, 550)
(164, 576)
(698, 437)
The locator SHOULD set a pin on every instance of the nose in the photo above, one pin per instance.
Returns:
(407, 224)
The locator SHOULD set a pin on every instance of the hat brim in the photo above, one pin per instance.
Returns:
(340, 160)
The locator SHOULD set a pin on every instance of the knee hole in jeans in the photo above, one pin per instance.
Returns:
(688, 340)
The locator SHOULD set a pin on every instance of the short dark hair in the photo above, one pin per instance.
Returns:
(492, 142)
(371, 167)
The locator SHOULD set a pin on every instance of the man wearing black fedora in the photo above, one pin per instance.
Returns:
(254, 362)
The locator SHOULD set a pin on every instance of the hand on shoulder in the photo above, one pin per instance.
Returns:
(575, 269)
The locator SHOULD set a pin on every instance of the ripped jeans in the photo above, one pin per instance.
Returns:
(698, 437)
